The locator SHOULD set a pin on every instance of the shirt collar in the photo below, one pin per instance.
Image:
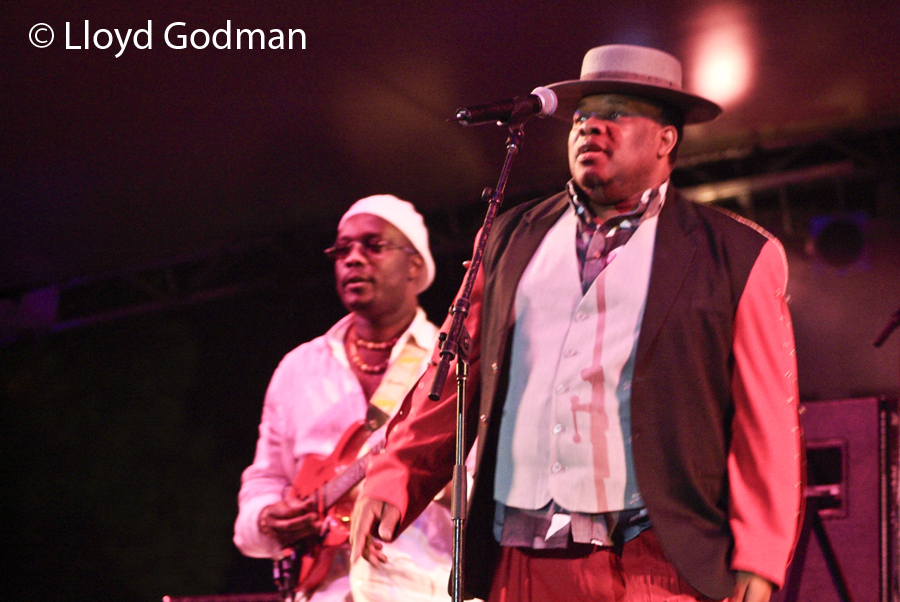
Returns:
(651, 197)
(420, 332)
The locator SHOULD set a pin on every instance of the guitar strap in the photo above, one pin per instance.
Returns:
(397, 381)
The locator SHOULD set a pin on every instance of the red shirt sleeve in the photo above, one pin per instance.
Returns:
(766, 456)
(420, 453)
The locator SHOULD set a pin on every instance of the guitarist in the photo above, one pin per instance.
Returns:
(355, 374)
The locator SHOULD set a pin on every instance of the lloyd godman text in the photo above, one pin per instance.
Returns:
(179, 36)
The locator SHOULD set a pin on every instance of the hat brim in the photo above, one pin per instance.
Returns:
(694, 108)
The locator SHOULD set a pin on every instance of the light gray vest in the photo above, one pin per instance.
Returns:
(566, 423)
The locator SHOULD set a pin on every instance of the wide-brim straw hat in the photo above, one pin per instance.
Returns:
(634, 70)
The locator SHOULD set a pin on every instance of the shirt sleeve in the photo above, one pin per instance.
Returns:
(420, 453)
(766, 456)
(265, 481)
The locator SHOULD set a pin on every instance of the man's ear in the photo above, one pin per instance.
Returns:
(668, 138)
(416, 267)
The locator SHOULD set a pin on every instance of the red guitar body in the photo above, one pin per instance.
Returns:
(314, 476)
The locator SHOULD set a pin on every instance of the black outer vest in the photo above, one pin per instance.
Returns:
(681, 389)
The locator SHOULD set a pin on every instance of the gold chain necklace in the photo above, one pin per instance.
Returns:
(353, 344)
(374, 345)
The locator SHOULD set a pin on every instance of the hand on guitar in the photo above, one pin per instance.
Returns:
(369, 514)
(290, 520)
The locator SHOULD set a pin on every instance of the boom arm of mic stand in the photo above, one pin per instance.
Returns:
(457, 343)
(450, 341)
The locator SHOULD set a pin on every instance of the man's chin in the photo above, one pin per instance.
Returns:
(589, 183)
(356, 303)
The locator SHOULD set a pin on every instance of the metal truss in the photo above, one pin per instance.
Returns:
(779, 185)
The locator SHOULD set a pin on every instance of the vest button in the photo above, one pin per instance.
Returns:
(557, 429)
(560, 389)
(556, 468)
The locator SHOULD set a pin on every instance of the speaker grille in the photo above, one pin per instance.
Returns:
(852, 480)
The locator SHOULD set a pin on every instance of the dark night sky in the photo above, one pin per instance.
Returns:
(126, 439)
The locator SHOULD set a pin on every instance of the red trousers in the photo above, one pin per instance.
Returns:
(637, 572)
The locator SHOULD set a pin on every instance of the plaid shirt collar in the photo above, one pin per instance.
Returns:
(588, 221)
(596, 243)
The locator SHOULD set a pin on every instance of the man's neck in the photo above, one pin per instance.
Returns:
(603, 208)
(610, 200)
(383, 328)
(606, 211)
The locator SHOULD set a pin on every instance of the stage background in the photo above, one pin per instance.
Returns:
(163, 215)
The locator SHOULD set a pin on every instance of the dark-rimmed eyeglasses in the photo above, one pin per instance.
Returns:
(368, 247)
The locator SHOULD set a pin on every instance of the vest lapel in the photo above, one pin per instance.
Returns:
(499, 297)
(525, 240)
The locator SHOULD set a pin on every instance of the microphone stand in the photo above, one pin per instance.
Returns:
(456, 343)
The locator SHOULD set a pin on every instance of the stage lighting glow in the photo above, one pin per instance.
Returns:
(724, 52)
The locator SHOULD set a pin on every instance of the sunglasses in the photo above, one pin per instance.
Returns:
(370, 247)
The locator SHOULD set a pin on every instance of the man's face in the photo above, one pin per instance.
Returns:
(374, 279)
(616, 146)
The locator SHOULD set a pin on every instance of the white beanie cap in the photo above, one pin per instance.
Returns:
(403, 216)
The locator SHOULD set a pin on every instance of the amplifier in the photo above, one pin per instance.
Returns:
(848, 546)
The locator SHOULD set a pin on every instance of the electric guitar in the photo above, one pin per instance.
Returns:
(326, 481)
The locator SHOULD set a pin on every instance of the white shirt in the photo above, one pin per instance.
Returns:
(312, 399)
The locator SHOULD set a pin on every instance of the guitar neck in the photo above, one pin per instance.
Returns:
(337, 487)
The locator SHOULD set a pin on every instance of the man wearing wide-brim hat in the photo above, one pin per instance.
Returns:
(638, 434)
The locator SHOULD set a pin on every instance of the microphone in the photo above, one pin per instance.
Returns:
(541, 102)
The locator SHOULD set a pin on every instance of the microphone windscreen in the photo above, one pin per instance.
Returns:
(548, 100)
